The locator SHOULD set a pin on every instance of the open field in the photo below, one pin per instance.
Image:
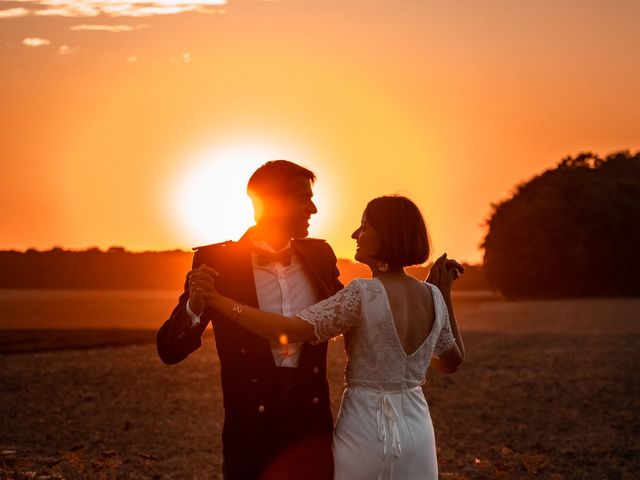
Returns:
(548, 387)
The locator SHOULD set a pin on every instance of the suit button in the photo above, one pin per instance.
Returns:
(243, 351)
(261, 408)
(316, 369)
(316, 400)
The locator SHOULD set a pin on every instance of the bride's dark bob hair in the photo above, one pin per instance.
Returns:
(401, 229)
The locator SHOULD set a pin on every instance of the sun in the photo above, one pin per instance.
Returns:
(210, 204)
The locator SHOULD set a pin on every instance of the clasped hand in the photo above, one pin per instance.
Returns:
(202, 290)
(444, 272)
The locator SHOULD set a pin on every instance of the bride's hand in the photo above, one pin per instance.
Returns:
(444, 272)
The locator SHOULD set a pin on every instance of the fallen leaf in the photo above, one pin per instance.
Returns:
(534, 463)
(147, 458)
(506, 451)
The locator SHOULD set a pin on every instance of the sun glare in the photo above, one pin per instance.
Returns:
(211, 204)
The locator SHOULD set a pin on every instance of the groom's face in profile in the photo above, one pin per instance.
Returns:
(291, 208)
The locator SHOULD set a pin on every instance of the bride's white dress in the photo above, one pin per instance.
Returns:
(384, 429)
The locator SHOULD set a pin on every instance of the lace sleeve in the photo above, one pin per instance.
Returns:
(336, 314)
(446, 340)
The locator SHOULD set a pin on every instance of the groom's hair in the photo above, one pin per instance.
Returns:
(273, 178)
(401, 230)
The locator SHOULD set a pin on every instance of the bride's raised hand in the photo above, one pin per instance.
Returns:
(444, 272)
(434, 273)
(450, 271)
(453, 265)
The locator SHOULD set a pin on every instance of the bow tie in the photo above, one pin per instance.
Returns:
(265, 257)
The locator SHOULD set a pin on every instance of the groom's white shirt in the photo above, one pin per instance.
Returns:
(282, 289)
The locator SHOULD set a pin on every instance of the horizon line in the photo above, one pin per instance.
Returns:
(122, 249)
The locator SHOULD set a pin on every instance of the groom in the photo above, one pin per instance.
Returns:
(277, 416)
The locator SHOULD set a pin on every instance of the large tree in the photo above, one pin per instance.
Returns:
(571, 231)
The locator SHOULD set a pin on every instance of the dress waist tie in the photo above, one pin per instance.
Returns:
(387, 417)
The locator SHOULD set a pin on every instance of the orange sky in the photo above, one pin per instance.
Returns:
(137, 123)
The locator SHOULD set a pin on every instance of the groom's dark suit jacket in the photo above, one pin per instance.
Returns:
(278, 421)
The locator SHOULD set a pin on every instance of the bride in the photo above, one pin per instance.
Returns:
(394, 327)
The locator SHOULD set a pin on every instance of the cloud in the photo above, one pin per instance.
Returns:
(184, 58)
(67, 50)
(112, 8)
(109, 28)
(35, 42)
(132, 59)
(14, 12)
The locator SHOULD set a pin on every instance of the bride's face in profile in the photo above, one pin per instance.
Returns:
(367, 242)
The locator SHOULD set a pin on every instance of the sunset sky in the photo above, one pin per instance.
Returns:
(138, 123)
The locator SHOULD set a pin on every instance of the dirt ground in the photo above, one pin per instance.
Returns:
(549, 390)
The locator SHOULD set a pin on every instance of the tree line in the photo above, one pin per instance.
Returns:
(572, 231)
(117, 268)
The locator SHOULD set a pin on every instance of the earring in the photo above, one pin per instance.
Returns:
(383, 266)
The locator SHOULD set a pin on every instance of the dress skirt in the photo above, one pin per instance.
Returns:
(384, 435)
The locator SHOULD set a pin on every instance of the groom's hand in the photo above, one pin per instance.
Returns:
(201, 282)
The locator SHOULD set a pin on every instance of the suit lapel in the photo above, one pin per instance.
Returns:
(241, 272)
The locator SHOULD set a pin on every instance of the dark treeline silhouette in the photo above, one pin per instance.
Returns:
(117, 268)
(571, 231)
(93, 268)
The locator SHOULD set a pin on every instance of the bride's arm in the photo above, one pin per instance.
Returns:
(317, 323)
(444, 272)
(450, 360)
(271, 326)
